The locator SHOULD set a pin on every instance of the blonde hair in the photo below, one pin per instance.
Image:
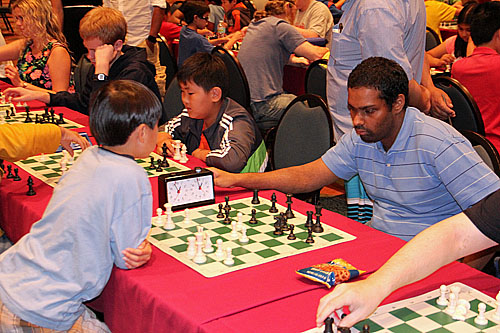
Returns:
(40, 24)
(106, 24)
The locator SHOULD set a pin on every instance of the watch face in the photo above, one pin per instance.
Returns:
(101, 77)
(189, 190)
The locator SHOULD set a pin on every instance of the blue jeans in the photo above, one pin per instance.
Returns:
(268, 113)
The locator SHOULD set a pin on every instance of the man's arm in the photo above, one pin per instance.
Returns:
(306, 32)
(441, 105)
(311, 52)
(156, 20)
(298, 179)
(434, 247)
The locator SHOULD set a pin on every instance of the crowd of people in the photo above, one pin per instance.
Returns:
(392, 150)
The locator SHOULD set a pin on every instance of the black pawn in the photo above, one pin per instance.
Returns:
(328, 325)
(289, 212)
(292, 236)
(152, 165)
(227, 219)
(28, 118)
(7, 114)
(255, 199)
(227, 207)
(220, 214)
(9, 172)
(16, 173)
(46, 114)
(30, 187)
(309, 221)
(273, 208)
(61, 119)
(366, 328)
(253, 219)
(309, 238)
(158, 166)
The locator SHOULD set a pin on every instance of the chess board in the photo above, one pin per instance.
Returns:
(20, 116)
(48, 168)
(263, 245)
(423, 314)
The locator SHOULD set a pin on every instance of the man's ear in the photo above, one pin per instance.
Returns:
(398, 104)
(118, 45)
(215, 94)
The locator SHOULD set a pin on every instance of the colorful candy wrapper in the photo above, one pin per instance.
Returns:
(331, 273)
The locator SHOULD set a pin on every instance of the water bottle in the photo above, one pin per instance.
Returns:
(221, 29)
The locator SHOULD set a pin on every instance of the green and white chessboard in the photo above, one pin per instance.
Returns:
(48, 169)
(20, 116)
(263, 246)
(423, 314)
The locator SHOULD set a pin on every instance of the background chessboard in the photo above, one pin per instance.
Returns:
(263, 246)
(49, 171)
(20, 116)
(423, 314)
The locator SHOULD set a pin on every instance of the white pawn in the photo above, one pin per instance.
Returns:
(496, 314)
(244, 237)
(239, 226)
(177, 152)
(452, 306)
(219, 253)
(442, 298)
(456, 291)
(187, 218)
(199, 257)
(191, 250)
(159, 217)
(229, 261)
(208, 248)
(234, 231)
(183, 158)
(169, 224)
(481, 319)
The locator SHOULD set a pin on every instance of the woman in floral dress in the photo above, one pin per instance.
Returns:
(43, 60)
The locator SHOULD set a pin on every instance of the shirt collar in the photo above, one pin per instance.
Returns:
(406, 128)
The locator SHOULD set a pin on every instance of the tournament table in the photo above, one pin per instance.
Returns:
(166, 296)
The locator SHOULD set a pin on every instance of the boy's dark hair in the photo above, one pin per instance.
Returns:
(192, 8)
(205, 70)
(485, 23)
(118, 108)
(381, 74)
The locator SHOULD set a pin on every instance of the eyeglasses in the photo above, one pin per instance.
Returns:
(204, 18)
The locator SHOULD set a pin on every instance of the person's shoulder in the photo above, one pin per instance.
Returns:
(429, 130)
(234, 109)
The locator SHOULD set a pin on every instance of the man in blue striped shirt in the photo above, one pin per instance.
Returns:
(418, 170)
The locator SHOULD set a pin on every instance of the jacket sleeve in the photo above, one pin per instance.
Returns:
(235, 148)
(19, 141)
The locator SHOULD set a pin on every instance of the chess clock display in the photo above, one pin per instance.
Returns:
(186, 189)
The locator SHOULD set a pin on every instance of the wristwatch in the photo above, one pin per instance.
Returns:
(100, 77)
(151, 39)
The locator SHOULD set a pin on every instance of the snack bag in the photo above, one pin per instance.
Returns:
(331, 273)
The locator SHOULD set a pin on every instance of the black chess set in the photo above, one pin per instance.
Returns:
(14, 175)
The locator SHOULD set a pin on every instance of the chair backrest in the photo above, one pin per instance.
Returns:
(315, 82)
(238, 85)
(81, 72)
(172, 103)
(167, 59)
(467, 115)
(484, 149)
(431, 39)
(303, 134)
(72, 17)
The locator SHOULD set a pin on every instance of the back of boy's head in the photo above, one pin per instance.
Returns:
(485, 23)
(205, 70)
(192, 8)
(118, 108)
(106, 24)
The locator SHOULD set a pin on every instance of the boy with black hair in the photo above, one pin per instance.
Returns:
(190, 41)
(213, 127)
(99, 215)
(103, 31)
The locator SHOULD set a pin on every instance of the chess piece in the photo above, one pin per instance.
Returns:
(183, 158)
(456, 291)
(208, 248)
(28, 118)
(219, 254)
(227, 219)
(234, 231)
(187, 219)
(177, 149)
(30, 192)
(199, 257)
(309, 239)
(9, 172)
(164, 162)
(239, 218)
(61, 119)
(191, 250)
(291, 236)
(481, 319)
(255, 199)
(317, 227)
(159, 217)
(220, 214)
(284, 224)
(452, 304)
(289, 213)
(152, 161)
(273, 208)
(496, 314)
(169, 224)
(253, 219)
(158, 166)
(16, 175)
(277, 227)
(226, 198)
(229, 261)
(442, 298)
(366, 328)
(460, 313)
(309, 221)
(244, 237)
(328, 325)
(7, 114)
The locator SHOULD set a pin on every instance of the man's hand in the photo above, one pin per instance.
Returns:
(67, 137)
(137, 257)
(150, 45)
(441, 105)
(446, 59)
(25, 95)
(13, 74)
(299, 61)
(223, 178)
(361, 297)
(165, 138)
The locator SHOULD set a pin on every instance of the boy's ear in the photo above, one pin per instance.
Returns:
(215, 94)
(141, 132)
(118, 45)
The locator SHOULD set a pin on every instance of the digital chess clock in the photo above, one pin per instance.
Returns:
(186, 189)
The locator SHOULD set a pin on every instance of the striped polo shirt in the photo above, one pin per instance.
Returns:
(430, 173)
